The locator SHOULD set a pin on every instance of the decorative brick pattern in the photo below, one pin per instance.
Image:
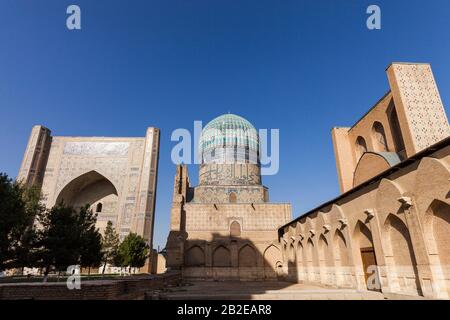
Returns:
(423, 106)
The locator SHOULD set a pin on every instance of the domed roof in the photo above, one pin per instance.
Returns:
(229, 138)
(229, 121)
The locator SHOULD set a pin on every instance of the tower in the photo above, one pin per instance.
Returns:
(409, 118)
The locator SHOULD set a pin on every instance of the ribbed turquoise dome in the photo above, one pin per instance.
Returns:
(229, 138)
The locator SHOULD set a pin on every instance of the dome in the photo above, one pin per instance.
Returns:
(229, 138)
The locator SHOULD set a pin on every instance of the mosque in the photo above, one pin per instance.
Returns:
(388, 230)
(226, 227)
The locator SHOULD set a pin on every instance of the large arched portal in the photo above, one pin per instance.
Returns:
(96, 190)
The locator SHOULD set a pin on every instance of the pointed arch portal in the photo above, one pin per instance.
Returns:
(89, 188)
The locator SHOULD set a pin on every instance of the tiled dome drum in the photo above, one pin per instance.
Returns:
(229, 139)
(229, 151)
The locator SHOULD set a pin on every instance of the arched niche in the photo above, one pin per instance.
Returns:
(194, 257)
(247, 256)
(379, 137)
(235, 229)
(221, 257)
(89, 188)
(400, 247)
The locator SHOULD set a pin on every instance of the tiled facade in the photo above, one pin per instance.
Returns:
(116, 176)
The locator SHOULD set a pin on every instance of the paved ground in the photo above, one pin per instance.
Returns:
(234, 290)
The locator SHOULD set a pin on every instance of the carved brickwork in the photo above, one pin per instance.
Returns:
(221, 194)
(230, 174)
(422, 104)
(96, 148)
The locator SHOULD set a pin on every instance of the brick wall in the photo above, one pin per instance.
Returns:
(133, 288)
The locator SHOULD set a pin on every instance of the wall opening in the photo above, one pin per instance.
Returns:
(235, 229)
(379, 137)
(360, 147)
(394, 124)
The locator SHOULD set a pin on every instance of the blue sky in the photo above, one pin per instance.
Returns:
(299, 66)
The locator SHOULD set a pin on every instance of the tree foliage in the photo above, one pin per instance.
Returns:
(60, 241)
(133, 251)
(110, 245)
(90, 239)
(19, 205)
(69, 237)
(33, 236)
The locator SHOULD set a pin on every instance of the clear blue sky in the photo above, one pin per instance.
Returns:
(300, 66)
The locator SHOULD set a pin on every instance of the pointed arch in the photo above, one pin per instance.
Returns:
(396, 131)
(247, 256)
(300, 253)
(386, 198)
(437, 228)
(272, 261)
(341, 251)
(362, 235)
(221, 257)
(88, 187)
(235, 229)
(399, 240)
(291, 253)
(364, 253)
(379, 137)
(312, 261)
(324, 253)
(437, 234)
(194, 257)
(360, 147)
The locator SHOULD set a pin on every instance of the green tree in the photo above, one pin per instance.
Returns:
(15, 219)
(59, 238)
(69, 237)
(110, 246)
(26, 250)
(134, 251)
(90, 239)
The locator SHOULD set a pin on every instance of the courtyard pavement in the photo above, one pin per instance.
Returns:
(235, 290)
